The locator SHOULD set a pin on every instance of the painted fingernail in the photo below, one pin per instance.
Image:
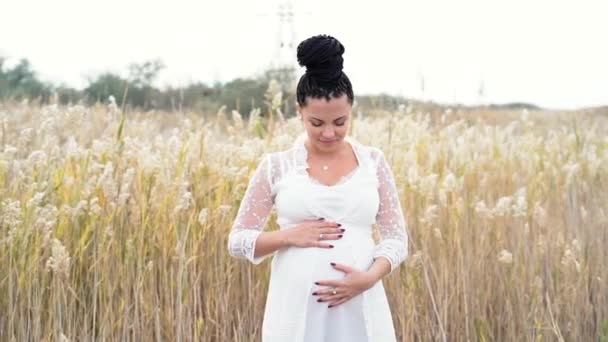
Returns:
(340, 235)
(316, 283)
(319, 300)
(339, 224)
(314, 293)
(343, 230)
(331, 246)
(332, 263)
(321, 218)
(329, 306)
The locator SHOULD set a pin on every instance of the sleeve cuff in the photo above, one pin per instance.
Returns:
(241, 244)
(395, 251)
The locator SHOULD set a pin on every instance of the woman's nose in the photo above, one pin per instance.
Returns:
(328, 133)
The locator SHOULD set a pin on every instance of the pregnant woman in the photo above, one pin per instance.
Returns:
(329, 191)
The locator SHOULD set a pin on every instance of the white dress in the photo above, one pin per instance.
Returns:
(365, 197)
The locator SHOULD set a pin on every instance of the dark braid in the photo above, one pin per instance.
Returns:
(322, 57)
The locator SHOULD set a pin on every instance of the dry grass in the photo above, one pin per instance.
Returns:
(114, 226)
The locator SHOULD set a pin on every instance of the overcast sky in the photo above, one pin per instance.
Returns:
(551, 53)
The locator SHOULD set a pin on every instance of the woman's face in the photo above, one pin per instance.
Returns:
(326, 122)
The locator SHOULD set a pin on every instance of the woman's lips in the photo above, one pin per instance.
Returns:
(328, 141)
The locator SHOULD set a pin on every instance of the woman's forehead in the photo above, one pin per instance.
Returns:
(335, 107)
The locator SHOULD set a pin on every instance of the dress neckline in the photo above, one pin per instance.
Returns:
(302, 164)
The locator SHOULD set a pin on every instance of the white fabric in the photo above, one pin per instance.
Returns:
(365, 197)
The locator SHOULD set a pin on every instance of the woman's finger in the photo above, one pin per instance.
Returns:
(330, 282)
(338, 302)
(321, 238)
(324, 244)
(328, 230)
(332, 236)
(325, 292)
(326, 224)
(331, 298)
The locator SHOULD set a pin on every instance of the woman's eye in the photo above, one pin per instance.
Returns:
(341, 123)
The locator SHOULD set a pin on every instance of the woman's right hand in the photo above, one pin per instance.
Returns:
(306, 234)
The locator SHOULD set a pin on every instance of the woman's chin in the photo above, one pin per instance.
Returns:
(323, 145)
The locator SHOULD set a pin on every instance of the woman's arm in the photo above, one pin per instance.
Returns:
(247, 239)
(378, 270)
(392, 248)
(269, 242)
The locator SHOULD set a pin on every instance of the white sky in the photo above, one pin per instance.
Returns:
(552, 53)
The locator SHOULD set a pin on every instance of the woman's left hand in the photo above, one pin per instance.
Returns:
(354, 283)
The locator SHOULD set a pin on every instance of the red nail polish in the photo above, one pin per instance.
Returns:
(319, 300)
(331, 246)
(330, 306)
(316, 283)
(339, 224)
(343, 230)
(332, 263)
(314, 293)
(340, 235)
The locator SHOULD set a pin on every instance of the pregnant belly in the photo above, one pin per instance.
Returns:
(313, 263)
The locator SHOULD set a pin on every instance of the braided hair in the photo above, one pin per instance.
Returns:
(324, 78)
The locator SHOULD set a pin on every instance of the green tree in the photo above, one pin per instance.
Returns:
(100, 88)
(242, 94)
(141, 78)
(21, 82)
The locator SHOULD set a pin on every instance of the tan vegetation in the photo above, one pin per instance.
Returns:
(114, 226)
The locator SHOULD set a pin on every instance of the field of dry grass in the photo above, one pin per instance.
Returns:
(114, 226)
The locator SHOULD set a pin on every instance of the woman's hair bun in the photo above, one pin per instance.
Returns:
(322, 57)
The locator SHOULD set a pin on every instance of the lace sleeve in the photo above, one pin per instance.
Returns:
(393, 244)
(253, 213)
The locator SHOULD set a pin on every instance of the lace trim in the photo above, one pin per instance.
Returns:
(242, 244)
(342, 179)
(393, 250)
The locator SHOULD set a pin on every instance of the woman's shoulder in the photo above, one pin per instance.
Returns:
(280, 155)
(278, 162)
(369, 151)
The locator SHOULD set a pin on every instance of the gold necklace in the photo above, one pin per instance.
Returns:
(324, 167)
